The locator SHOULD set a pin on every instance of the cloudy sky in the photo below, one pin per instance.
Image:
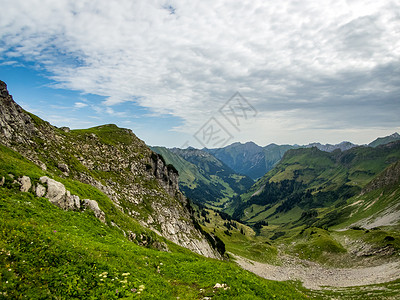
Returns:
(305, 70)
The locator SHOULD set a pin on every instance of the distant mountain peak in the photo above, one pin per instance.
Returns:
(343, 146)
(385, 140)
(395, 135)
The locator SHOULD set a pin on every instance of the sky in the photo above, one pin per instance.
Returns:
(208, 73)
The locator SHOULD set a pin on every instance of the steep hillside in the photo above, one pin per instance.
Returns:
(114, 161)
(307, 179)
(203, 178)
(49, 251)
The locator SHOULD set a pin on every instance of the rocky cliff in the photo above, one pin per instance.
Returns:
(390, 176)
(114, 161)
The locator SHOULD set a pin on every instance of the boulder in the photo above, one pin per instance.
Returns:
(40, 190)
(25, 182)
(2, 181)
(61, 197)
(94, 206)
(56, 191)
(58, 194)
(64, 168)
(72, 202)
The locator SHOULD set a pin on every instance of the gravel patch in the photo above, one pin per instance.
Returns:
(315, 276)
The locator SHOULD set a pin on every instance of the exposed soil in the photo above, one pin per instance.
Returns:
(314, 276)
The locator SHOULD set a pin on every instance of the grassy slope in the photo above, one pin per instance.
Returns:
(48, 253)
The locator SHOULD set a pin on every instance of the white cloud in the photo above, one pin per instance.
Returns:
(308, 56)
(80, 105)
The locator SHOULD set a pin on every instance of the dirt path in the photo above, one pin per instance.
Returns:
(315, 276)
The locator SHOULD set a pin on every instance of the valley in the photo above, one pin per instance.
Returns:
(97, 214)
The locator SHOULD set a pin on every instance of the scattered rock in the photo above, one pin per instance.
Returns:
(60, 196)
(131, 236)
(160, 246)
(40, 190)
(72, 201)
(93, 205)
(64, 168)
(65, 129)
(25, 182)
(221, 286)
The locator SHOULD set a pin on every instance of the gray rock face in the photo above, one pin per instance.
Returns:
(25, 182)
(13, 121)
(72, 202)
(167, 177)
(176, 226)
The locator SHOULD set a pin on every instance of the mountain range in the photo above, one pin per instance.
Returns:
(310, 179)
(212, 177)
(97, 214)
(254, 161)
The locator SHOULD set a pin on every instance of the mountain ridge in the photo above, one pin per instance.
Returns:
(114, 161)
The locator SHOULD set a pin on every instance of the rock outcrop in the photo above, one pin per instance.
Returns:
(15, 124)
(390, 176)
(40, 190)
(56, 192)
(61, 197)
(91, 204)
(166, 175)
(25, 182)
